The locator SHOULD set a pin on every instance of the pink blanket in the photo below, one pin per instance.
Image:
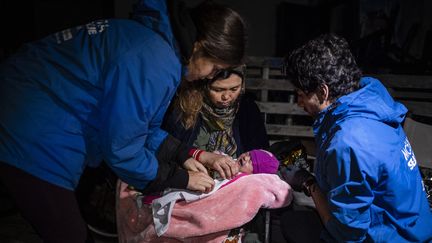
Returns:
(206, 220)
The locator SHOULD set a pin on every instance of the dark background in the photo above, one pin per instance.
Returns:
(387, 36)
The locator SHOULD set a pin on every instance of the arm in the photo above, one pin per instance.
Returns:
(349, 175)
(136, 96)
(178, 170)
(345, 208)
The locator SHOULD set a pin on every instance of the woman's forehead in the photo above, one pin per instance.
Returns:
(232, 81)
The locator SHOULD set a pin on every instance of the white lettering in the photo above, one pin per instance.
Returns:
(91, 29)
(412, 163)
(409, 155)
(96, 26)
(67, 34)
(57, 36)
(405, 153)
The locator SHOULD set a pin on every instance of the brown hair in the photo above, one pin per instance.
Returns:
(221, 33)
(189, 101)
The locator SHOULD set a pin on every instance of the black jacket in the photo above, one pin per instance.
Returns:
(249, 133)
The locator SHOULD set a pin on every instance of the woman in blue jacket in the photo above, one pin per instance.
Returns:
(99, 92)
(368, 185)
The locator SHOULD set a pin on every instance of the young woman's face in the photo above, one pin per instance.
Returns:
(224, 92)
(203, 68)
(245, 163)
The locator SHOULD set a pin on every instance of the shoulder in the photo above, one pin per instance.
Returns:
(248, 99)
(248, 105)
(172, 123)
(359, 143)
(131, 40)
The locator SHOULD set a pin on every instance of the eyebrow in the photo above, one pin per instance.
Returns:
(218, 87)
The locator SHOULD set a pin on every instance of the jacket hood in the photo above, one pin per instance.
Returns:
(154, 15)
(371, 101)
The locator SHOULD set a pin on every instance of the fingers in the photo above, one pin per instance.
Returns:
(242, 156)
(198, 181)
(226, 167)
(220, 170)
(194, 165)
(190, 164)
(223, 164)
(201, 168)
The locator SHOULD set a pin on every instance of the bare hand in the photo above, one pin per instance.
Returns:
(194, 165)
(223, 164)
(199, 181)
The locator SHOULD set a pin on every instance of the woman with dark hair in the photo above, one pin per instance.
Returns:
(216, 115)
(99, 92)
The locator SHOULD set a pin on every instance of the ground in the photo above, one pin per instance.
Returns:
(15, 229)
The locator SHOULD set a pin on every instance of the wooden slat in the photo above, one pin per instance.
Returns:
(418, 107)
(405, 81)
(269, 84)
(280, 108)
(272, 62)
(258, 72)
(407, 95)
(292, 130)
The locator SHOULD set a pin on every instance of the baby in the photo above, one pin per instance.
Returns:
(256, 161)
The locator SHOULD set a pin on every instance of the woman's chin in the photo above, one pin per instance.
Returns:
(223, 105)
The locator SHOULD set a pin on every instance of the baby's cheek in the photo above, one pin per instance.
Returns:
(247, 168)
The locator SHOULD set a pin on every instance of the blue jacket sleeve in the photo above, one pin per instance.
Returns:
(137, 93)
(350, 195)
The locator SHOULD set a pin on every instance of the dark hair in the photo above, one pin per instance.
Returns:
(226, 73)
(190, 95)
(221, 32)
(324, 60)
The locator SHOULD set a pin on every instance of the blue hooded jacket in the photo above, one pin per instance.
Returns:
(90, 93)
(367, 169)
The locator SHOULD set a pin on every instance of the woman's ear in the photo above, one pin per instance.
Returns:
(196, 51)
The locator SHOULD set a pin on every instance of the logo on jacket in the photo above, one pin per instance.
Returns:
(96, 27)
(409, 154)
(92, 28)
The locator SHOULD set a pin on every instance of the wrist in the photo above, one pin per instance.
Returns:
(195, 153)
(309, 185)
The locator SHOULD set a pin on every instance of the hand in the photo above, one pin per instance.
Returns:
(194, 165)
(296, 177)
(126, 191)
(199, 181)
(223, 164)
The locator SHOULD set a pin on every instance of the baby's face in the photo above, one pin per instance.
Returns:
(245, 163)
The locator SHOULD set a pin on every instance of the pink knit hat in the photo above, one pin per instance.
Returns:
(263, 162)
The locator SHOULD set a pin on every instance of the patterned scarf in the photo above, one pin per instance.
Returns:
(219, 124)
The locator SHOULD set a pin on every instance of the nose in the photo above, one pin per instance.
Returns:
(225, 96)
(300, 102)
